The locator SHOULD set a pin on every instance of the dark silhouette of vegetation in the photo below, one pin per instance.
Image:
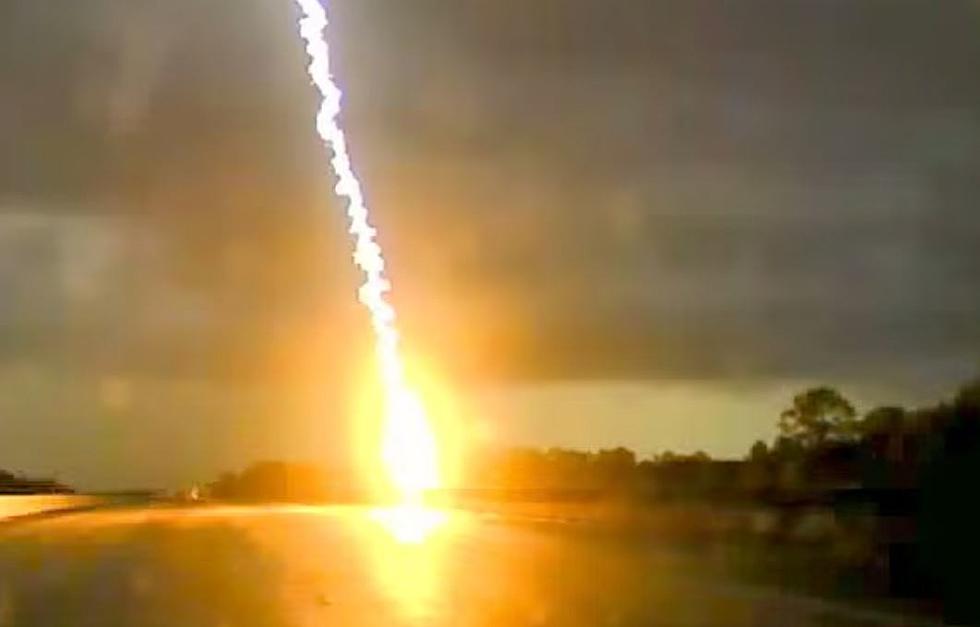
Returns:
(11, 483)
(892, 488)
(274, 481)
(817, 416)
(896, 485)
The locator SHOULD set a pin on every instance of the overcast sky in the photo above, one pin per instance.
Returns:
(593, 210)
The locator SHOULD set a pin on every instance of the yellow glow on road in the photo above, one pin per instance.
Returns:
(410, 547)
(410, 524)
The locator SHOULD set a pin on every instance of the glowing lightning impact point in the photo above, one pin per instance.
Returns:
(408, 446)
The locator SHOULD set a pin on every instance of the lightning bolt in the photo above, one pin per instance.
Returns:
(408, 446)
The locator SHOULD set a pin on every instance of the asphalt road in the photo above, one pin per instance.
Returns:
(263, 566)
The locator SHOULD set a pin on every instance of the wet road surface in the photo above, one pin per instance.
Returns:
(264, 566)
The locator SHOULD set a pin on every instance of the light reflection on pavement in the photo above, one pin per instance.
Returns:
(291, 565)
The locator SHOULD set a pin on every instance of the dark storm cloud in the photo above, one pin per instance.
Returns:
(567, 188)
(688, 189)
(160, 190)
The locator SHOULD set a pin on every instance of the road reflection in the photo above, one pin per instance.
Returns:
(305, 566)
(408, 548)
(410, 524)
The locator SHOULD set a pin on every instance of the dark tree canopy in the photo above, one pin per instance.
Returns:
(819, 415)
(759, 451)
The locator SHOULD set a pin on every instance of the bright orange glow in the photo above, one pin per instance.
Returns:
(408, 446)
(422, 443)
(410, 524)
(409, 547)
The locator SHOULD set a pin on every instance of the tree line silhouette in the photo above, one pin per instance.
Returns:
(823, 446)
(11, 483)
(901, 481)
(824, 451)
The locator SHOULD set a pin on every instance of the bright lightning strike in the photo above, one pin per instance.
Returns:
(408, 447)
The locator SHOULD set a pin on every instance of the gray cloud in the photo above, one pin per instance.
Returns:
(762, 189)
(567, 189)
